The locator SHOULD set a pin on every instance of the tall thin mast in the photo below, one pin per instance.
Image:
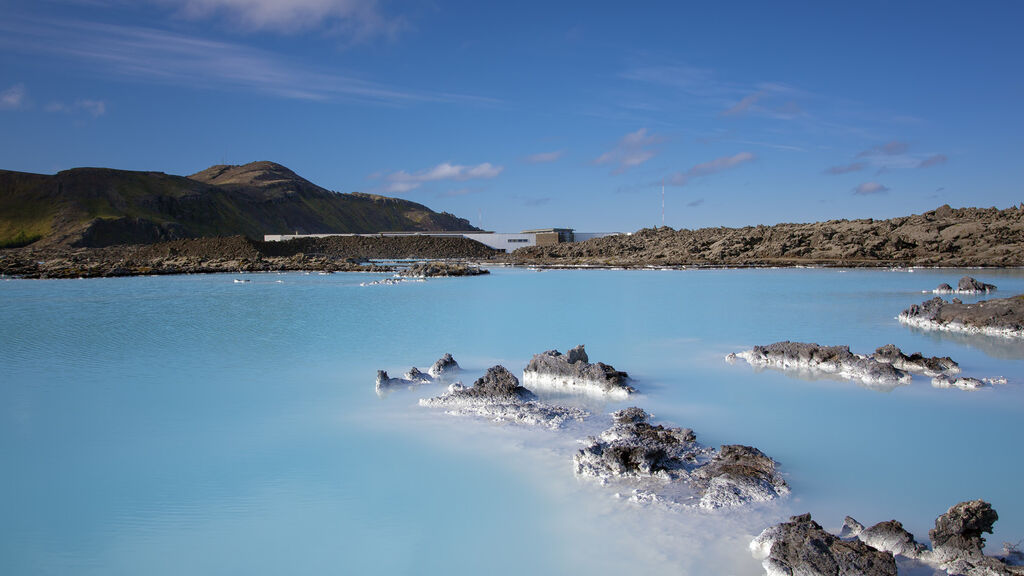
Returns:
(662, 202)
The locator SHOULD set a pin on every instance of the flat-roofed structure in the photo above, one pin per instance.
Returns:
(507, 241)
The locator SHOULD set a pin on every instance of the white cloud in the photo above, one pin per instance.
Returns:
(544, 157)
(869, 188)
(94, 108)
(933, 160)
(633, 150)
(708, 168)
(846, 168)
(167, 58)
(14, 97)
(894, 148)
(402, 181)
(743, 105)
(358, 19)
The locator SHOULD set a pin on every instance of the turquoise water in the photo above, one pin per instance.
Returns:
(194, 425)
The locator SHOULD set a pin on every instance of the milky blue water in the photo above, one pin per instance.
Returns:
(194, 425)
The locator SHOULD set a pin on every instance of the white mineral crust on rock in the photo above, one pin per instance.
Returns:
(499, 397)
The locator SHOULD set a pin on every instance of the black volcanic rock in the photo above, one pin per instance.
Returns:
(970, 285)
(942, 237)
(997, 316)
(444, 366)
(573, 372)
(802, 547)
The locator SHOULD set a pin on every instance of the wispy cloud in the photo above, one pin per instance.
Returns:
(634, 149)
(536, 201)
(403, 181)
(357, 19)
(695, 203)
(155, 56)
(893, 148)
(743, 106)
(846, 168)
(14, 97)
(868, 188)
(455, 193)
(709, 168)
(94, 108)
(688, 79)
(544, 157)
(933, 160)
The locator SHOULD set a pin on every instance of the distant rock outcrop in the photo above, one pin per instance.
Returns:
(884, 370)
(440, 269)
(966, 285)
(1002, 317)
(573, 373)
(834, 360)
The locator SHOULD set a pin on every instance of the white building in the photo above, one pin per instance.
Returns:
(507, 241)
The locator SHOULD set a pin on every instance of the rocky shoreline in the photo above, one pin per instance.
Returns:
(240, 254)
(944, 237)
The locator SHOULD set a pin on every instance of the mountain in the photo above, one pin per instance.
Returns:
(102, 207)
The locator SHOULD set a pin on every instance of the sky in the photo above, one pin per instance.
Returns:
(523, 115)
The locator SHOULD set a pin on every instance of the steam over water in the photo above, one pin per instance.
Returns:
(195, 425)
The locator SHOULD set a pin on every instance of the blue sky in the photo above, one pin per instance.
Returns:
(523, 115)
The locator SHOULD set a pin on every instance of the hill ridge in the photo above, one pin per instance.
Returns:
(94, 206)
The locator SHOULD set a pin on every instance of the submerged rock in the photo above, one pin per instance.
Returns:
(801, 546)
(835, 360)
(916, 362)
(961, 382)
(996, 317)
(573, 372)
(498, 396)
(634, 448)
(445, 366)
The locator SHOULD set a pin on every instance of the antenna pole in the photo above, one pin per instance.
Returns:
(662, 202)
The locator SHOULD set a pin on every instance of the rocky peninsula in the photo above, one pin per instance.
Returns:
(1003, 317)
(573, 373)
(802, 546)
(443, 369)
